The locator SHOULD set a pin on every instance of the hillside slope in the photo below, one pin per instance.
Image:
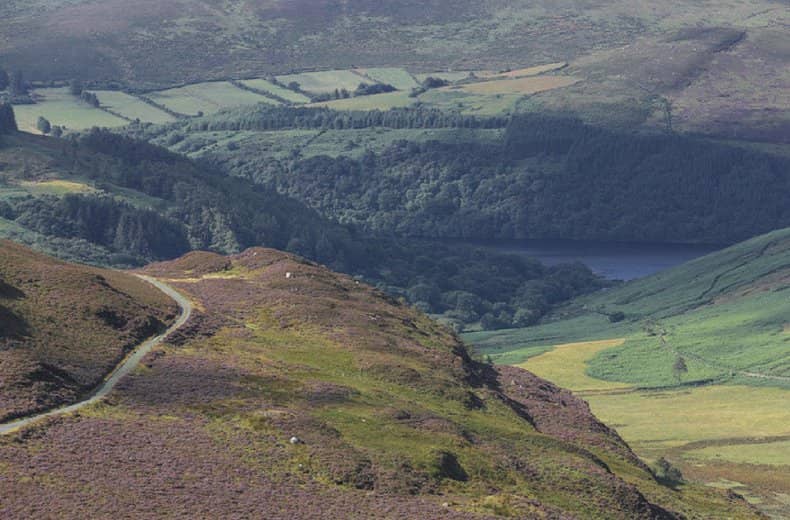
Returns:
(300, 393)
(721, 66)
(63, 327)
(699, 353)
(694, 310)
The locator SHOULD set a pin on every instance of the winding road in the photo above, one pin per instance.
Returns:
(127, 365)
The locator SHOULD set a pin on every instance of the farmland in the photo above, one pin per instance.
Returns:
(523, 86)
(63, 109)
(207, 98)
(132, 107)
(720, 418)
(276, 90)
(326, 81)
(398, 78)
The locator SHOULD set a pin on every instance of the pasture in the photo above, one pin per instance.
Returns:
(398, 78)
(132, 107)
(207, 98)
(63, 109)
(325, 82)
(525, 72)
(276, 90)
(375, 102)
(728, 436)
(523, 86)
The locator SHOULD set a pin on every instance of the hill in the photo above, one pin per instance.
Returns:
(423, 172)
(718, 67)
(300, 393)
(64, 327)
(699, 352)
(110, 200)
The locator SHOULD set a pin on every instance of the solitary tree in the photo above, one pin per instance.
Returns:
(16, 85)
(680, 368)
(7, 119)
(75, 87)
(43, 125)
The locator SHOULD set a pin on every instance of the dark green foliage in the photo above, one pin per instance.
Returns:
(90, 98)
(666, 473)
(17, 85)
(365, 89)
(75, 87)
(547, 178)
(43, 125)
(200, 208)
(7, 119)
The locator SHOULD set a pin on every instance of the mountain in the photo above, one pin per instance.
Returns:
(295, 392)
(715, 67)
(64, 326)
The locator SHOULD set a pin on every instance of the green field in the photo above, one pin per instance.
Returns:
(284, 93)
(374, 102)
(132, 107)
(726, 420)
(63, 109)
(208, 98)
(398, 78)
(326, 81)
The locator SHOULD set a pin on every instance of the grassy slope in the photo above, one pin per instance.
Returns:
(726, 314)
(393, 417)
(65, 326)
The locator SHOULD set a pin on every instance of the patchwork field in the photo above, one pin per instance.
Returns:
(528, 71)
(132, 107)
(63, 109)
(277, 90)
(326, 81)
(374, 102)
(207, 98)
(521, 85)
(398, 78)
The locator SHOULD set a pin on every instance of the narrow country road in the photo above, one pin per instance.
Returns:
(127, 365)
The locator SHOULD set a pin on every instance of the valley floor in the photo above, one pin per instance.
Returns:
(727, 436)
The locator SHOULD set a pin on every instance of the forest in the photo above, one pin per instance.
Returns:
(191, 206)
(548, 177)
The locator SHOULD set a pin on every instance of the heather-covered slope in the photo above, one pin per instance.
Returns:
(64, 327)
(299, 393)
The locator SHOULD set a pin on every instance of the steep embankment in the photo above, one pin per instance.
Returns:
(295, 392)
(64, 327)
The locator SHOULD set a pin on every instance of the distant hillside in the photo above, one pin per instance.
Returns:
(719, 66)
(420, 172)
(300, 393)
(691, 364)
(63, 327)
(726, 313)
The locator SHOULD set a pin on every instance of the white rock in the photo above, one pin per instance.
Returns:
(296, 440)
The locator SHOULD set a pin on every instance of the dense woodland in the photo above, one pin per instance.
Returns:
(153, 204)
(550, 177)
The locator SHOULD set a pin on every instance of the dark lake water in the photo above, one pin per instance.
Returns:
(615, 260)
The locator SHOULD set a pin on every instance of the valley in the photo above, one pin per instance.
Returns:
(722, 419)
(351, 259)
